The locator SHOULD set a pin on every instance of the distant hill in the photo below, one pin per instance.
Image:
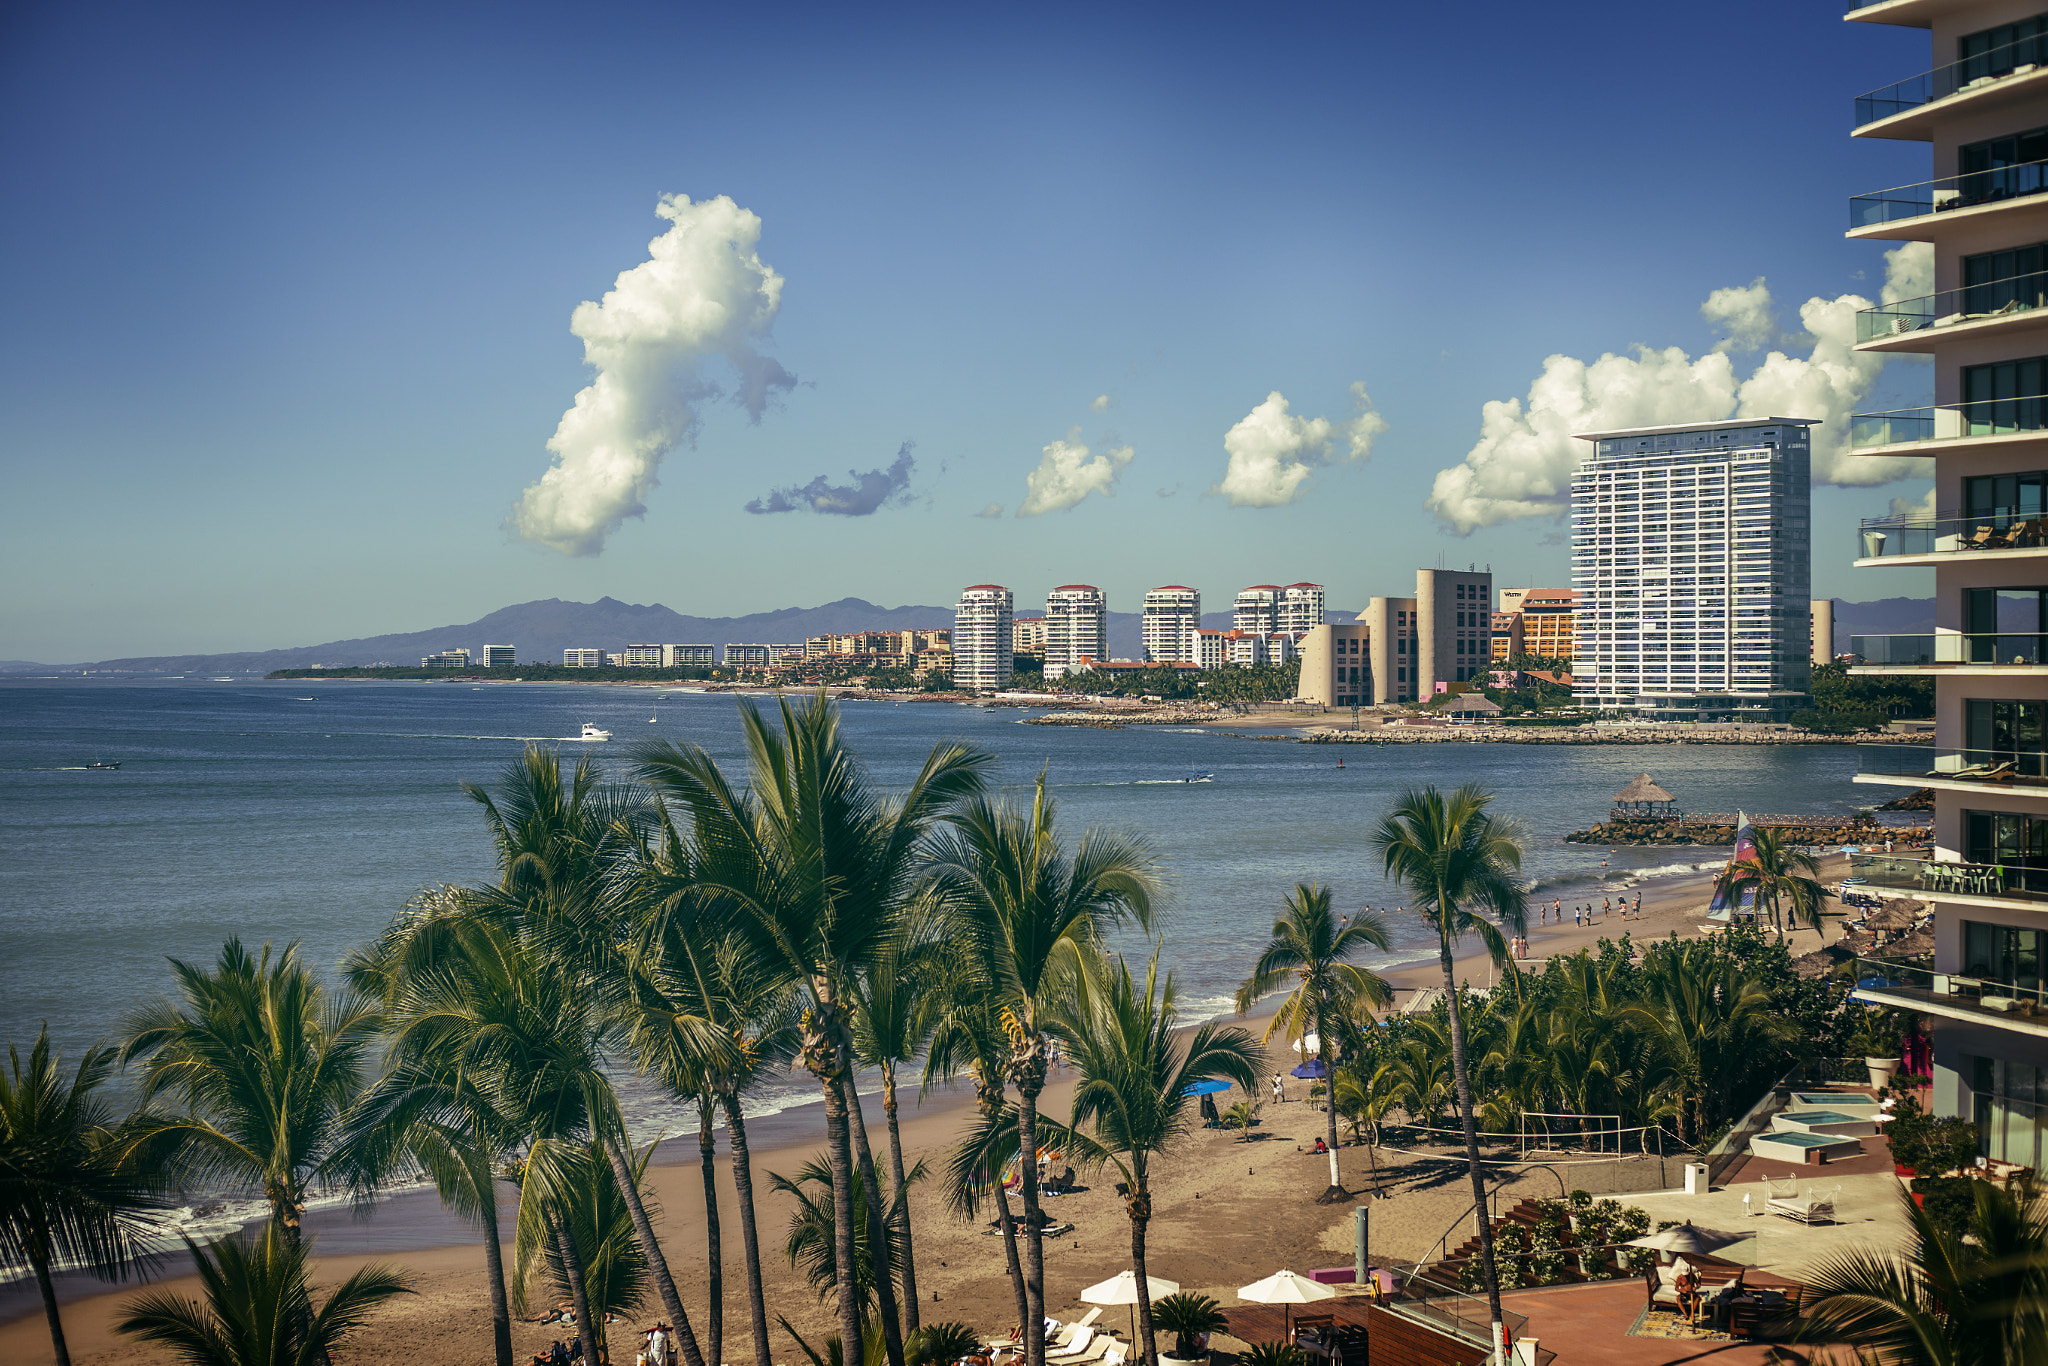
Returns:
(1882, 617)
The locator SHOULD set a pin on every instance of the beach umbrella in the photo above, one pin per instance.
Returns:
(1122, 1288)
(1284, 1287)
(1206, 1088)
(1308, 1043)
(1890, 916)
(1312, 1068)
(1680, 1239)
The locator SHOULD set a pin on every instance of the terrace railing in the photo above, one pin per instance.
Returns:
(2003, 647)
(1949, 534)
(2025, 768)
(1932, 877)
(1916, 979)
(1957, 78)
(1949, 193)
(1950, 421)
(1971, 303)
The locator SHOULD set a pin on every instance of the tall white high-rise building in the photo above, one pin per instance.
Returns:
(1076, 627)
(981, 637)
(1692, 554)
(1983, 215)
(1301, 608)
(1172, 616)
(1257, 609)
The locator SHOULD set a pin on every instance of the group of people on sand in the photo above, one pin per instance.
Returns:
(1553, 911)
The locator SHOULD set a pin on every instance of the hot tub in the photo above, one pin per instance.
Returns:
(1802, 1148)
(1833, 1122)
(1834, 1100)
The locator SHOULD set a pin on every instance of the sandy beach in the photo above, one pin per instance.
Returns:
(1226, 1211)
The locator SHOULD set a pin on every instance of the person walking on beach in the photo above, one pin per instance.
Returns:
(1279, 1090)
(1578, 915)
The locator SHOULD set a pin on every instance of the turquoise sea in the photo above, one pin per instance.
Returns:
(293, 811)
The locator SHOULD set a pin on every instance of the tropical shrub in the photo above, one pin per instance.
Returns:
(1186, 1316)
(936, 1344)
(1273, 1354)
(1243, 1117)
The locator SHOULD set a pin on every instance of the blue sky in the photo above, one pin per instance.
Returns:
(287, 289)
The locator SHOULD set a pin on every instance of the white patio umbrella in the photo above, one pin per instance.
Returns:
(1122, 1288)
(1284, 1287)
(1684, 1238)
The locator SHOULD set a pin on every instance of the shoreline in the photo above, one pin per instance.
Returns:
(450, 1317)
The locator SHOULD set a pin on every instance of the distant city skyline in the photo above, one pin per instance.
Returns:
(349, 321)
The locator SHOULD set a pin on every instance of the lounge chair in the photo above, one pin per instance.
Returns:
(1075, 1348)
(1815, 1207)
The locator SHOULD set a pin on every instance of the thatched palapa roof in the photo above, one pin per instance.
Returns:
(1474, 702)
(1643, 789)
(1893, 915)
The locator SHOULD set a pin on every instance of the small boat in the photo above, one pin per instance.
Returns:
(654, 718)
(591, 732)
(1199, 776)
(104, 763)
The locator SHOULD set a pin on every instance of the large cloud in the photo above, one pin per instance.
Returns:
(1067, 473)
(1272, 451)
(704, 292)
(1522, 464)
(867, 493)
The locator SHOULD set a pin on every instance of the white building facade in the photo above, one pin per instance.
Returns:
(1172, 616)
(1982, 110)
(1256, 609)
(583, 659)
(645, 656)
(500, 656)
(1300, 609)
(1692, 552)
(1076, 627)
(749, 656)
(689, 656)
(982, 660)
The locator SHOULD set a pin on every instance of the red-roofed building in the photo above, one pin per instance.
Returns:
(982, 660)
(1076, 627)
(1172, 616)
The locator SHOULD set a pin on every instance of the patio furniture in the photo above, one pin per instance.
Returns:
(1815, 1207)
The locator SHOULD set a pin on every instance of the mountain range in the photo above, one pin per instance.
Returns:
(541, 630)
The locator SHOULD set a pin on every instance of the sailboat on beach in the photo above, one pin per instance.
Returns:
(1725, 907)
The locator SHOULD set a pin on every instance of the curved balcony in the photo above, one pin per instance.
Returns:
(1918, 540)
(1988, 76)
(1872, 214)
(1949, 650)
(1973, 310)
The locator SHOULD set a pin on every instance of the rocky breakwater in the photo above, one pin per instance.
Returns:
(1590, 735)
(1712, 831)
(1116, 720)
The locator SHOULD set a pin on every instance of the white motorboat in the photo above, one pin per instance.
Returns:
(591, 732)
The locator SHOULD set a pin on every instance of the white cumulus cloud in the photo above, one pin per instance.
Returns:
(1523, 461)
(1067, 472)
(1365, 424)
(1100, 403)
(992, 510)
(703, 292)
(1272, 451)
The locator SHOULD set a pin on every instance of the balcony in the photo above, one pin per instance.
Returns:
(1913, 984)
(1992, 419)
(1928, 540)
(1951, 650)
(1995, 306)
(1896, 213)
(1954, 769)
(1985, 79)
(1991, 882)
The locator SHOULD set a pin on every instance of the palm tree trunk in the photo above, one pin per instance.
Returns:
(879, 1258)
(1034, 1250)
(643, 1229)
(845, 1274)
(579, 1293)
(743, 1183)
(1336, 1191)
(494, 1271)
(1009, 1228)
(42, 1266)
(910, 1324)
(1138, 1221)
(1464, 1077)
(707, 1155)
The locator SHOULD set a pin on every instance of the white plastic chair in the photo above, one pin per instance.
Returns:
(1075, 1348)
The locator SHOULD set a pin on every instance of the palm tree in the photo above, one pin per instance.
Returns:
(1455, 857)
(1363, 1094)
(813, 1228)
(816, 868)
(1946, 1300)
(566, 851)
(594, 1224)
(1308, 948)
(1132, 1096)
(1777, 872)
(1707, 1020)
(259, 1310)
(267, 1063)
(1020, 908)
(65, 1193)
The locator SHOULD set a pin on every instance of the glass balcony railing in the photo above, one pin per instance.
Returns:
(1882, 537)
(1931, 877)
(1957, 78)
(1951, 648)
(1971, 303)
(1949, 193)
(2021, 768)
(1950, 421)
(1915, 979)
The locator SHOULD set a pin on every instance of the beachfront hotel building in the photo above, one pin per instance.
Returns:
(1983, 111)
(1692, 556)
(582, 659)
(1442, 635)
(1027, 636)
(500, 656)
(446, 659)
(1534, 621)
(1300, 609)
(1076, 627)
(1172, 616)
(981, 638)
(1336, 665)
(1257, 609)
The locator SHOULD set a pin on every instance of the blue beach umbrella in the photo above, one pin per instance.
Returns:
(1312, 1069)
(1206, 1088)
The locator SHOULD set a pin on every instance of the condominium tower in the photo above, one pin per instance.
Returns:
(1257, 609)
(1983, 111)
(981, 638)
(1692, 556)
(1172, 616)
(1419, 646)
(1076, 627)
(1301, 609)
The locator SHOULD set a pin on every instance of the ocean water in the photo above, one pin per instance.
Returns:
(286, 811)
